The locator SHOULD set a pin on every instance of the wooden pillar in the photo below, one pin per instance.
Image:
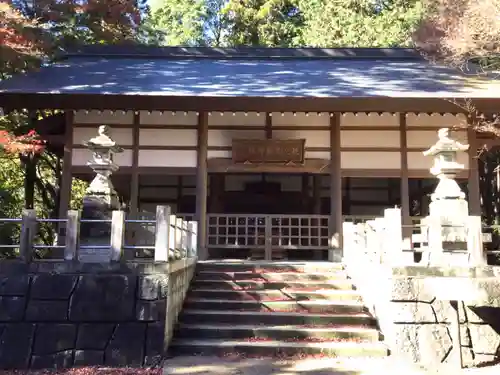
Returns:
(133, 208)
(335, 190)
(306, 196)
(474, 189)
(202, 185)
(66, 178)
(405, 191)
(134, 178)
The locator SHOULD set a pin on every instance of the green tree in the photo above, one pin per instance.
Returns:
(360, 23)
(270, 23)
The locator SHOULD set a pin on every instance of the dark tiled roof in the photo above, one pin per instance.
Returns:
(252, 72)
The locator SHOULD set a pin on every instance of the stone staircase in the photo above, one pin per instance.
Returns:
(283, 309)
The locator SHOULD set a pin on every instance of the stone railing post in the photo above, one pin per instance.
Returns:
(475, 247)
(28, 233)
(117, 235)
(72, 236)
(172, 241)
(393, 238)
(162, 231)
(351, 249)
(371, 249)
(179, 237)
(435, 241)
(192, 237)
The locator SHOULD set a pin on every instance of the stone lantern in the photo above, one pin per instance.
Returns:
(100, 198)
(448, 209)
(103, 148)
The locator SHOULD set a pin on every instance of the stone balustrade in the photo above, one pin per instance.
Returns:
(427, 309)
(89, 308)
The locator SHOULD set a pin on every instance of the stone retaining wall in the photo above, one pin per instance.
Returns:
(416, 322)
(62, 315)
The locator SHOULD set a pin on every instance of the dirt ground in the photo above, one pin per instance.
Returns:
(328, 366)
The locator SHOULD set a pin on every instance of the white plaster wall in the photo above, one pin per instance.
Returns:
(223, 138)
(237, 118)
(81, 156)
(370, 119)
(369, 138)
(416, 160)
(167, 158)
(218, 154)
(169, 118)
(370, 160)
(314, 138)
(317, 155)
(436, 119)
(426, 138)
(168, 137)
(122, 137)
(300, 119)
(104, 117)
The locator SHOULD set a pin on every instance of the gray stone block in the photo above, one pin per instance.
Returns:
(54, 338)
(52, 286)
(12, 309)
(16, 285)
(94, 337)
(412, 312)
(484, 339)
(153, 287)
(127, 345)
(151, 311)
(155, 337)
(59, 360)
(47, 311)
(428, 344)
(15, 345)
(104, 298)
(89, 357)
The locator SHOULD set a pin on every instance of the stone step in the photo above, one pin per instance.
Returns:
(273, 295)
(334, 284)
(321, 306)
(267, 266)
(194, 316)
(235, 332)
(271, 276)
(277, 348)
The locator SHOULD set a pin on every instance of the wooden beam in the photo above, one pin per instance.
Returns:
(473, 182)
(239, 103)
(405, 191)
(335, 188)
(202, 184)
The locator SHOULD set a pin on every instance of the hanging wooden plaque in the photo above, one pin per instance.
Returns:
(264, 151)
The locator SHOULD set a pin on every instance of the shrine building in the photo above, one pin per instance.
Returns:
(305, 138)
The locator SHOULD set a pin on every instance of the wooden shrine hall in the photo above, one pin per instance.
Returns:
(269, 149)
